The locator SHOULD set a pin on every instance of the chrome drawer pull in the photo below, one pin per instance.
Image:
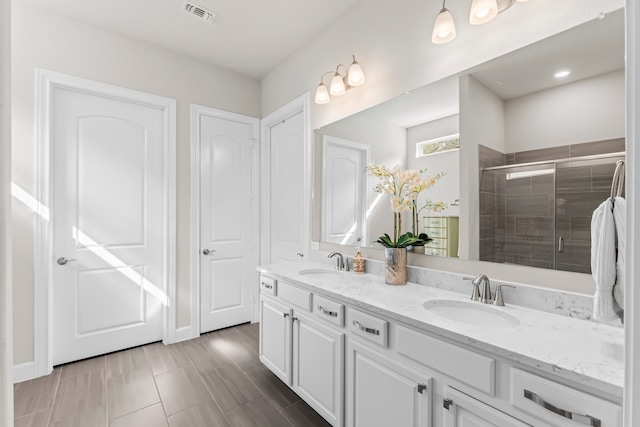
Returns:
(264, 285)
(583, 419)
(322, 310)
(367, 330)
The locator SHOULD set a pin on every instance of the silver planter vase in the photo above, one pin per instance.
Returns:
(395, 272)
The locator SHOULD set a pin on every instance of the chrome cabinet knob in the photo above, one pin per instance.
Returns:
(64, 261)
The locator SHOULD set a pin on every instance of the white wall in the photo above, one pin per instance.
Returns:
(481, 123)
(46, 40)
(588, 110)
(392, 43)
(448, 187)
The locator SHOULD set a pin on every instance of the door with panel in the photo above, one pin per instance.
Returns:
(226, 252)
(344, 184)
(108, 209)
(318, 368)
(382, 392)
(286, 171)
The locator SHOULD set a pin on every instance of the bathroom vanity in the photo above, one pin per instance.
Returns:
(366, 354)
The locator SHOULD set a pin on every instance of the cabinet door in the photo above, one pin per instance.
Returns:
(318, 354)
(461, 410)
(382, 392)
(275, 338)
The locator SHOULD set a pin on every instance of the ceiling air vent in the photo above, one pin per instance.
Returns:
(199, 11)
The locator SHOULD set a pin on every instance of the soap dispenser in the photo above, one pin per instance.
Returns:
(358, 263)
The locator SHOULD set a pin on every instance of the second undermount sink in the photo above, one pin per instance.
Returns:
(319, 272)
(471, 313)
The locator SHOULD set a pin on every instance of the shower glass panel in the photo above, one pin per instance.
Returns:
(540, 214)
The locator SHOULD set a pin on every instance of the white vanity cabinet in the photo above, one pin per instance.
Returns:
(362, 367)
(306, 353)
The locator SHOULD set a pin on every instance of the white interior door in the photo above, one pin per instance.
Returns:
(287, 171)
(226, 259)
(344, 183)
(107, 215)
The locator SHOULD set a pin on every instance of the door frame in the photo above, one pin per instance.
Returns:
(46, 82)
(298, 105)
(197, 112)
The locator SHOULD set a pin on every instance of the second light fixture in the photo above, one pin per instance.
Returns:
(482, 11)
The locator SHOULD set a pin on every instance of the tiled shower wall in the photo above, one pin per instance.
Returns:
(517, 216)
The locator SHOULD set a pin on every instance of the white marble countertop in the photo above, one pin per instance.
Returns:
(578, 350)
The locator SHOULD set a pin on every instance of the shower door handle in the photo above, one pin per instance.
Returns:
(561, 244)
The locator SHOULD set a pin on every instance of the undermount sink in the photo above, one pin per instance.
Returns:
(471, 313)
(319, 272)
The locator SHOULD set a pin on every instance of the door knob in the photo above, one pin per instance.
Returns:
(63, 261)
(207, 251)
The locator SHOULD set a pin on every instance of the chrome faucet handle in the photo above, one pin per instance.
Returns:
(475, 293)
(499, 301)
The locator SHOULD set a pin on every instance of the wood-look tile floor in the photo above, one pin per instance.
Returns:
(210, 381)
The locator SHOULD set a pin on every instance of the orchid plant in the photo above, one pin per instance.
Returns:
(403, 187)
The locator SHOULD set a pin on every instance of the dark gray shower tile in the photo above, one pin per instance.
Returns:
(542, 154)
(581, 228)
(488, 182)
(487, 249)
(488, 204)
(536, 205)
(510, 158)
(574, 268)
(576, 253)
(509, 225)
(597, 147)
(563, 226)
(489, 157)
(579, 204)
(536, 228)
(602, 176)
(542, 184)
(573, 179)
(533, 263)
(518, 186)
(517, 247)
(543, 251)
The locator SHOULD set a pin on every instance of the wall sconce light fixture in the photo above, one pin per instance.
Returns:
(354, 76)
(482, 11)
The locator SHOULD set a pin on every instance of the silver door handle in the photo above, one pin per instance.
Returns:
(322, 310)
(561, 244)
(63, 261)
(365, 329)
(207, 251)
(582, 419)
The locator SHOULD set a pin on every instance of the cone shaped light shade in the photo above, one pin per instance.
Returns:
(322, 94)
(444, 29)
(337, 85)
(356, 75)
(483, 11)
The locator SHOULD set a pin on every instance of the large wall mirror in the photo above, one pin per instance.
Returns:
(479, 127)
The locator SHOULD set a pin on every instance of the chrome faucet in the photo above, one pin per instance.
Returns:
(339, 260)
(485, 291)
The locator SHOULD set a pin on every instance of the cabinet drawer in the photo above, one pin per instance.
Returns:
(435, 251)
(435, 221)
(268, 285)
(328, 310)
(435, 232)
(560, 405)
(296, 296)
(369, 327)
(466, 366)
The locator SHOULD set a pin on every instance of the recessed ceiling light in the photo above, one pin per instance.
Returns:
(561, 74)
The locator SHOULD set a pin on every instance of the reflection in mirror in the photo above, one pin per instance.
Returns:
(531, 113)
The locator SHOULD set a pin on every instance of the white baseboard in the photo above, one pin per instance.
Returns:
(23, 372)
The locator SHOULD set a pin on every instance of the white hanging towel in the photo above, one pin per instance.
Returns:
(603, 261)
(620, 223)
